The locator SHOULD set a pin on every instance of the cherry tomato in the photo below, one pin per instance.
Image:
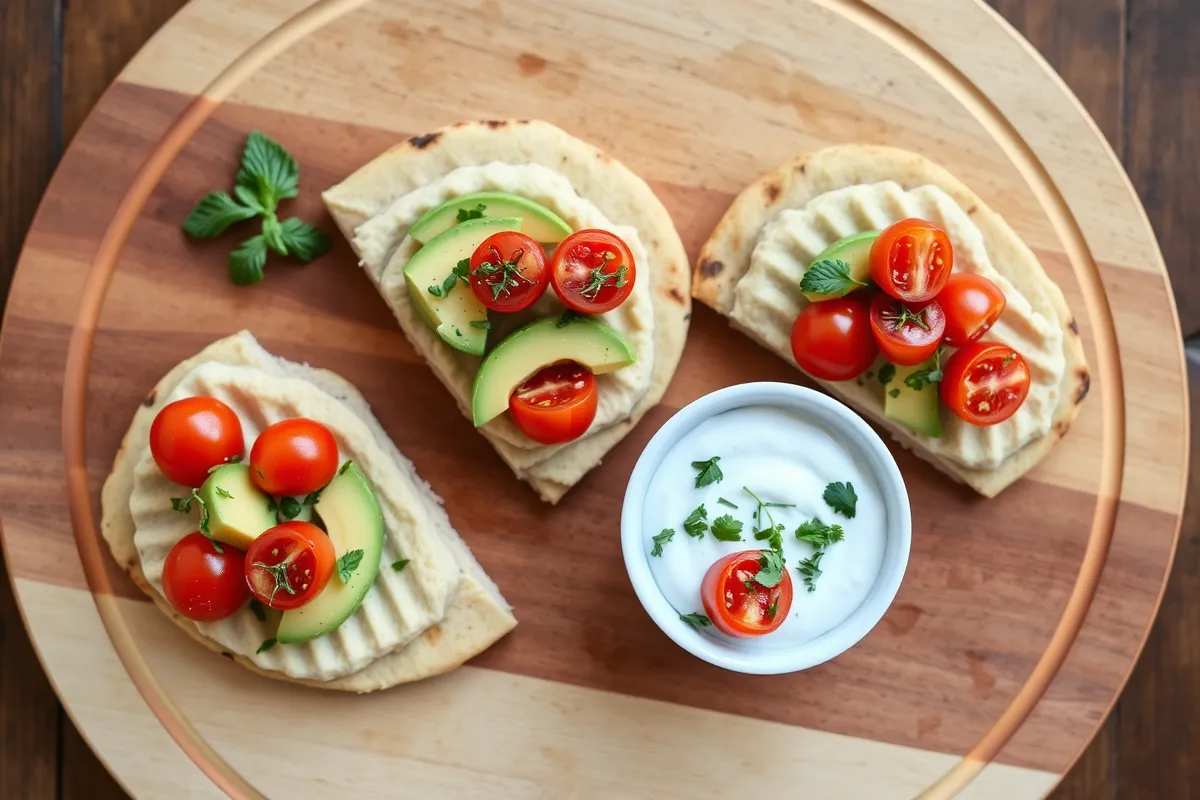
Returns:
(191, 436)
(972, 304)
(737, 605)
(289, 565)
(907, 335)
(985, 382)
(293, 457)
(832, 340)
(911, 260)
(557, 404)
(593, 271)
(202, 584)
(508, 271)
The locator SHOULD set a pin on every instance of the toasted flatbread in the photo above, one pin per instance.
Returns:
(725, 261)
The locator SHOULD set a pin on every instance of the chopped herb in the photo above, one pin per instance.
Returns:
(869, 374)
(829, 278)
(697, 522)
(271, 504)
(344, 467)
(400, 565)
(348, 563)
(810, 568)
(886, 373)
(598, 278)
(727, 529)
(257, 609)
(924, 377)
(773, 608)
(770, 569)
(181, 504)
(204, 520)
(766, 507)
(289, 508)
(223, 492)
(459, 272)
(818, 534)
(311, 498)
(709, 472)
(725, 502)
(1008, 359)
(482, 324)
(841, 498)
(696, 620)
(508, 270)
(567, 318)
(234, 460)
(893, 392)
(773, 537)
(457, 332)
(266, 645)
(660, 539)
(474, 213)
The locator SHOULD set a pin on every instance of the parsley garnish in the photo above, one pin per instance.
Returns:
(311, 498)
(725, 502)
(268, 175)
(474, 213)
(770, 569)
(265, 646)
(482, 324)
(697, 522)
(509, 271)
(818, 534)
(810, 568)
(289, 508)
(924, 377)
(709, 472)
(598, 278)
(764, 507)
(203, 519)
(271, 504)
(829, 278)
(1008, 359)
(458, 273)
(886, 373)
(894, 392)
(773, 536)
(567, 318)
(348, 563)
(660, 539)
(400, 565)
(696, 620)
(344, 467)
(234, 460)
(181, 504)
(841, 498)
(223, 492)
(773, 608)
(727, 529)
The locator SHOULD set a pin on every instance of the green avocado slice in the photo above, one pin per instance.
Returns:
(537, 222)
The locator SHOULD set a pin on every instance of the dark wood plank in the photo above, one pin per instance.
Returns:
(83, 777)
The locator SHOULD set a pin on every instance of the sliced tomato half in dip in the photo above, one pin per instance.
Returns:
(592, 271)
(289, 565)
(557, 404)
(985, 382)
(736, 603)
(911, 260)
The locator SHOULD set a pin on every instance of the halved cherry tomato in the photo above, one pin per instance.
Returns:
(289, 565)
(985, 382)
(557, 404)
(508, 271)
(907, 335)
(736, 604)
(191, 436)
(593, 271)
(911, 260)
(202, 584)
(832, 340)
(972, 304)
(293, 457)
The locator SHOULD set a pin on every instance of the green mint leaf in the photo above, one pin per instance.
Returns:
(265, 646)
(249, 197)
(660, 539)
(223, 492)
(886, 373)
(727, 529)
(273, 235)
(725, 502)
(181, 504)
(289, 507)
(482, 324)
(213, 214)
(400, 565)
(302, 240)
(810, 569)
(247, 262)
(829, 277)
(818, 534)
(770, 569)
(709, 472)
(841, 498)
(311, 498)
(697, 522)
(268, 171)
(474, 213)
(348, 563)
(256, 608)
(696, 620)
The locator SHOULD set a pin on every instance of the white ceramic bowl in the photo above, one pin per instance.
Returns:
(735, 654)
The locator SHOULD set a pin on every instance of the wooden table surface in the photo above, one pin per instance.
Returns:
(1130, 62)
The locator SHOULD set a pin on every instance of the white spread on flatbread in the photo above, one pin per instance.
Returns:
(767, 300)
(399, 606)
(384, 240)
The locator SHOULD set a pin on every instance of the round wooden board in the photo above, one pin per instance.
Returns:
(1052, 585)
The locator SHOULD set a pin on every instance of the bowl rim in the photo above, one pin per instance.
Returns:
(855, 432)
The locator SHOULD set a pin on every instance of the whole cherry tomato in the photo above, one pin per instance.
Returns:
(907, 335)
(557, 404)
(201, 583)
(509, 272)
(191, 436)
(293, 457)
(985, 382)
(911, 260)
(972, 304)
(832, 340)
(593, 271)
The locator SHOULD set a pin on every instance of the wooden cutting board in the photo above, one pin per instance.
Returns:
(1019, 618)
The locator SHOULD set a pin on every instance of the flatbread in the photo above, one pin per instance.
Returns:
(725, 259)
(618, 193)
(476, 616)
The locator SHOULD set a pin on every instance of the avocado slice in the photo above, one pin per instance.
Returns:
(353, 521)
(539, 344)
(238, 511)
(537, 222)
(853, 250)
(451, 315)
(914, 408)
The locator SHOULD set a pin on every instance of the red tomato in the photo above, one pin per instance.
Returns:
(201, 583)
(832, 340)
(740, 610)
(191, 436)
(289, 565)
(911, 260)
(293, 457)
(907, 335)
(972, 304)
(593, 271)
(557, 404)
(985, 382)
(508, 271)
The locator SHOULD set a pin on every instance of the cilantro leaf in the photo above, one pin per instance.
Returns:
(773, 537)
(268, 171)
(773, 608)
(348, 563)
(709, 472)
(770, 569)
(810, 568)
(567, 318)
(886, 373)
(247, 262)
(830, 278)
(474, 213)
(727, 529)
(697, 522)
(400, 565)
(311, 498)
(696, 620)
(660, 539)
(893, 392)
(841, 498)
(725, 502)
(818, 534)
(213, 214)
(265, 646)
(302, 240)
(924, 377)
(289, 507)
(204, 520)
(181, 504)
